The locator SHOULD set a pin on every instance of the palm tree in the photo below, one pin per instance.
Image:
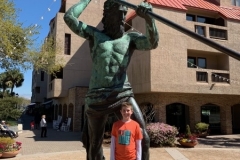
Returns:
(14, 79)
(3, 82)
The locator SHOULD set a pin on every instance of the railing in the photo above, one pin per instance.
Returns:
(217, 33)
(214, 76)
(220, 77)
(214, 33)
(202, 76)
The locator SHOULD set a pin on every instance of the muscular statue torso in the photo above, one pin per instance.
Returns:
(110, 61)
(110, 58)
(110, 54)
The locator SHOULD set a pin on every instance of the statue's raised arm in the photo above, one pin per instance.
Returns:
(71, 19)
(151, 38)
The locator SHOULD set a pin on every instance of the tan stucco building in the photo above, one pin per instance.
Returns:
(185, 81)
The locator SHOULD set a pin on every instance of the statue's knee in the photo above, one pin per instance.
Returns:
(146, 138)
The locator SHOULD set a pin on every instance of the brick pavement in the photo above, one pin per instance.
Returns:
(67, 146)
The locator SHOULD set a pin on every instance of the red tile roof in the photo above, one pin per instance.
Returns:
(208, 5)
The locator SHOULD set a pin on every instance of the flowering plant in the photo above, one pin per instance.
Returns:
(7, 144)
(161, 134)
(188, 136)
(1, 148)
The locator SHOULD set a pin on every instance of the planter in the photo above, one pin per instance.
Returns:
(10, 154)
(203, 134)
(188, 144)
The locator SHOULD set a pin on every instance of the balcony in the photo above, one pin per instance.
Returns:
(37, 98)
(220, 77)
(213, 27)
(217, 33)
(202, 76)
(211, 31)
(55, 89)
(212, 76)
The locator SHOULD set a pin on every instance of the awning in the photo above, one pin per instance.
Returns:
(48, 102)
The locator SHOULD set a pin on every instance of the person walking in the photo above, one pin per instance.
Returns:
(43, 124)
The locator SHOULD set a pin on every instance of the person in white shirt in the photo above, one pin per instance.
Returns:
(43, 125)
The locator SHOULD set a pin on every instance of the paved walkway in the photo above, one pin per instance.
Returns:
(67, 146)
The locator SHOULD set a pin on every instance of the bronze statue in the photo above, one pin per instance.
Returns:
(111, 51)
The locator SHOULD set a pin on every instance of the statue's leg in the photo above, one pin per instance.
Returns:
(96, 127)
(139, 118)
(85, 138)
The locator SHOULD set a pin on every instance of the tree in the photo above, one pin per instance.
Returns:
(3, 84)
(8, 108)
(17, 44)
(10, 79)
(15, 79)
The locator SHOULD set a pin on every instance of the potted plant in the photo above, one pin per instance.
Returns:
(188, 139)
(202, 129)
(1, 149)
(9, 147)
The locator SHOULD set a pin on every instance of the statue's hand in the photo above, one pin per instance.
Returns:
(142, 10)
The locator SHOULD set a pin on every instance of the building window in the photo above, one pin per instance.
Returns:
(210, 114)
(192, 62)
(42, 76)
(200, 30)
(37, 89)
(190, 17)
(50, 87)
(208, 20)
(67, 49)
(201, 62)
(236, 2)
(202, 76)
(217, 33)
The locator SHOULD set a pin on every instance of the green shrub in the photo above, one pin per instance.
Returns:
(161, 134)
(201, 127)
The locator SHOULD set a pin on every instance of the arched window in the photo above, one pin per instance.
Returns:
(178, 116)
(210, 114)
(148, 112)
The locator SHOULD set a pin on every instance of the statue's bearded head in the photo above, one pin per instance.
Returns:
(113, 19)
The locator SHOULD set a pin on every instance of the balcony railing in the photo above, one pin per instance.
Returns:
(217, 33)
(202, 76)
(220, 77)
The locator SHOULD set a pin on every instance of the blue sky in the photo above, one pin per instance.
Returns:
(31, 13)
